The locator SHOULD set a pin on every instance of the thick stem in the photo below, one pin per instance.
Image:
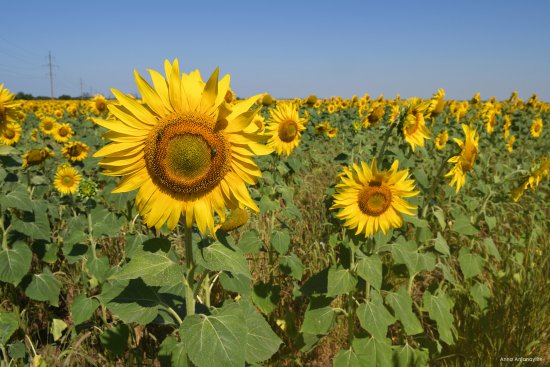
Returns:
(91, 235)
(386, 138)
(4, 233)
(189, 280)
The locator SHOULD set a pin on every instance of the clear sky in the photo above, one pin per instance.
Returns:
(286, 48)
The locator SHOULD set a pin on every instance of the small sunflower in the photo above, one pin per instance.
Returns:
(441, 140)
(510, 144)
(536, 127)
(322, 127)
(374, 115)
(331, 133)
(66, 179)
(99, 105)
(465, 160)
(437, 103)
(58, 114)
(372, 200)
(75, 151)
(10, 133)
(48, 125)
(63, 133)
(184, 147)
(285, 128)
(34, 157)
(414, 127)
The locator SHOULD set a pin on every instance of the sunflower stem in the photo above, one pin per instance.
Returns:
(383, 147)
(189, 281)
(435, 184)
(91, 234)
(4, 232)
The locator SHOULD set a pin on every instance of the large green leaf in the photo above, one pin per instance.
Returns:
(441, 245)
(401, 303)
(340, 281)
(105, 222)
(463, 226)
(407, 253)
(292, 265)
(35, 225)
(439, 308)
(377, 350)
(470, 264)
(218, 257)
(491, 248)
(218, 339)
(18, 199)
(155, 268)
(318, 321)
(115, 339)
(83, 308)
(374, 316)
(370, 269)
(407, 356)
(14, 263)
(132, 301)
(266, 296)
(250, 242)
(172, 353)
(348, 358)
(280, 240)
(44, 287)
(9, 323)
(261, 341)
(480, 293)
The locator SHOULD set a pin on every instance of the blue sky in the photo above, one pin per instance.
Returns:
(286, 48)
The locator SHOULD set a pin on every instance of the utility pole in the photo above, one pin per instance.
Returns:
(51, 73)
(81, 89)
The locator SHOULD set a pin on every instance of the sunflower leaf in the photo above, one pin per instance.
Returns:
(14, 263)
(218, 257)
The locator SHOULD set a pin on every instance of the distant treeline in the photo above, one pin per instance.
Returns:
(28, 96)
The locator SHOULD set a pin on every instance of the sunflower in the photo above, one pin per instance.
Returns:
(266, 100)
(372, 200)
(507, 124)
(58, 114)
(331, 133)
(285, 128)
(184, 147)
(374, 115)
(414, 127)
(99, 105)
(533, 180)
(536, 127)
(437, 103)
(10, 133)
(441, 140)
(48, 125)
(8, 106)
(34, 157)
(465, 160)
(75, 151)
(66, 179)
(62, 133)
(322, 127)
(510, 143)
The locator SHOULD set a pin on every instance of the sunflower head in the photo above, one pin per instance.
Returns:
(370, 200)
(87, 189)
(465, 160)
(62, 133)
(9, 107)
(36, 156)
(441, 140)
(10, 133)
(75, 151)
(536, 127)
(66, 179)
(414, 126)
(48, 125)
(285, 128)
(187, 150)
(331, 133)
(99, 104)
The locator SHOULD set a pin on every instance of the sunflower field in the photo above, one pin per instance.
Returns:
(191, 227)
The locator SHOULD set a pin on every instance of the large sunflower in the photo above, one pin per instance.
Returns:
(67, 179)
(75, 151)
(9, 108)
(465, 160)
(285, 128)
(372, 200)
(184, 147)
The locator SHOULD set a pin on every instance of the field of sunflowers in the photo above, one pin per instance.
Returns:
(191, 227)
